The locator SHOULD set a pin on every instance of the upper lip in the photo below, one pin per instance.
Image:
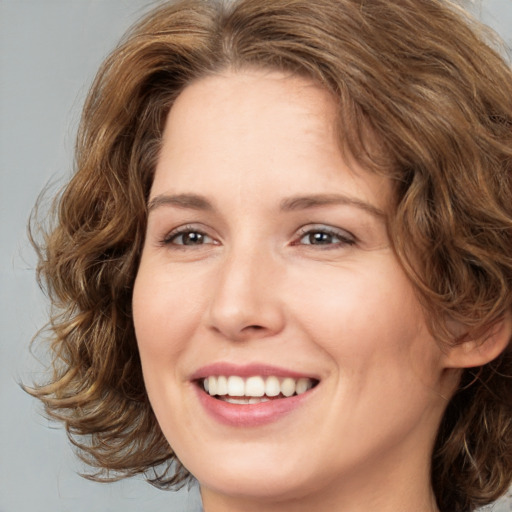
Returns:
(247, 370)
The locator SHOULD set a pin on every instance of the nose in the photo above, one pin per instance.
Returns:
(246, 302)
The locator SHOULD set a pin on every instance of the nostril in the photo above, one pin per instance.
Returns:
(254, 329)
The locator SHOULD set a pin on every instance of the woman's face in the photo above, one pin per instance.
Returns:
(267, 269)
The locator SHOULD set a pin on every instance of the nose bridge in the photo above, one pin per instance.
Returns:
(245, 301)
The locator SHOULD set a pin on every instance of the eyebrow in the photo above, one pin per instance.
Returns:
(318, 200)
(198, 202)
(189, 201)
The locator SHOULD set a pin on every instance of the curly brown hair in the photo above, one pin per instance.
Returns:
(415, 76)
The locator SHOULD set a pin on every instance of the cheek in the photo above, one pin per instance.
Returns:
(346, 305)
(369, 323)
(165, 319)
(164, 314)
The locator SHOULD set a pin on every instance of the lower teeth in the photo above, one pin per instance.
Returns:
(243, 400)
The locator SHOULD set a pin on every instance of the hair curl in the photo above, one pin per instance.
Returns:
(415, 76)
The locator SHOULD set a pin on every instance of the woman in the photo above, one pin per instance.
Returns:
(283, 264)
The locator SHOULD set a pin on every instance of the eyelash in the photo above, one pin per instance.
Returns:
(344, 238)
(170, 239)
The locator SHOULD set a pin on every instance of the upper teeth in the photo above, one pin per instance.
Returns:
(255, 386)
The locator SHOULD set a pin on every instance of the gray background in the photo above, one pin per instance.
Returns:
(49, 52)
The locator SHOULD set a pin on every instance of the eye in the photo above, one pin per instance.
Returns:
(324, 236)
(188, 236)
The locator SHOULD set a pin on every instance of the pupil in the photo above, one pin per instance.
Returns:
(320, 238)
(193, 239)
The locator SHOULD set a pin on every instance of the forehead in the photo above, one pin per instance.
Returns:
(259, 129)
(238, 104)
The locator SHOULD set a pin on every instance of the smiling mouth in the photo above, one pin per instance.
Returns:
(254, 390)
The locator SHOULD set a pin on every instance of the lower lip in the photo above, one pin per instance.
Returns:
(250, 415)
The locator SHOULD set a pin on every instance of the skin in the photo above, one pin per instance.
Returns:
(256, 288)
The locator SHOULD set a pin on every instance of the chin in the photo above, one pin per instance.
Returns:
(257, 472)
(261, 483)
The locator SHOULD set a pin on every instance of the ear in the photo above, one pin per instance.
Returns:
(473, 352)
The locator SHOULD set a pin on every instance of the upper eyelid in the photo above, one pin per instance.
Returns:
(299, 233)
(187, 228)
(308, 228)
